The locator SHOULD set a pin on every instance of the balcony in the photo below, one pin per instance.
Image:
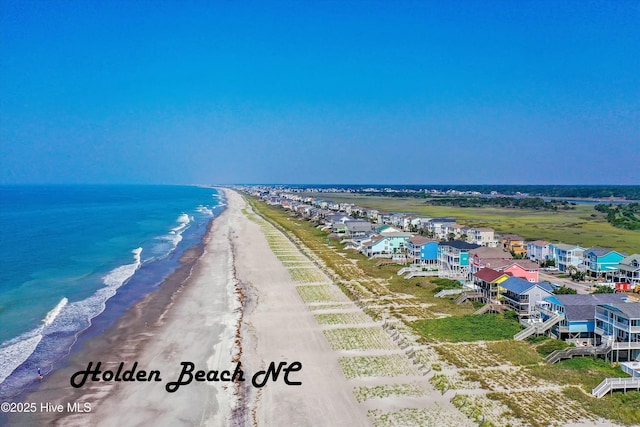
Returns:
(546, 312)
(626, 346)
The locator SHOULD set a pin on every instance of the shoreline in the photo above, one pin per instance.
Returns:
(129, 339)
(232, 302)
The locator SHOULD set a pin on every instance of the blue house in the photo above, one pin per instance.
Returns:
(423, 251)
(579, 313)
(386, 245)
(620, 322)
(599, 261)
(566, 256)
(453, 259)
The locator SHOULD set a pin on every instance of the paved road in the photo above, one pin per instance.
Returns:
(581, 288)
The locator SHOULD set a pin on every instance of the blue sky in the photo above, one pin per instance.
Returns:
(398, 92)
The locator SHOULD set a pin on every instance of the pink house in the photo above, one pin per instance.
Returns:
(523, 269)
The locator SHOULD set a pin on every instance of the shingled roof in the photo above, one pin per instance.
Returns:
(488, 275)
(582, 306)
(520, 286)
(459, 244)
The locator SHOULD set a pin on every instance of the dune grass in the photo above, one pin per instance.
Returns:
(468, 328)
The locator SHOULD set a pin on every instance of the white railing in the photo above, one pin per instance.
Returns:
(538, 328)
(447, 292)
(625, 345)
(609, 384)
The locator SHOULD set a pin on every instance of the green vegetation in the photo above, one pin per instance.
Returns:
(564, 290)
(622, 216)
(630, 192)
(358, 339)
(623, 408)
(603, 290)
(549, 345)
(375, 366)
(381, 391)
(578, 226)
(586, 372)
(468, 328)
(535, 203)
(516, 353)
(443, 283)
(446, 323)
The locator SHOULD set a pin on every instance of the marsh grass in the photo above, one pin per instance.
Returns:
(573, 226)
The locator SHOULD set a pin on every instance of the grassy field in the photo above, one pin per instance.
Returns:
(583, 226)
(483, 327)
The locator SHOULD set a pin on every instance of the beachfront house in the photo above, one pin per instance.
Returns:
(567, 257)
(453, 259)
(521, 295)
(423, 251)
(621, 321)
(538, 250)
(599, 262)
(357, 228)
(628, 270)
(578, 325)
(334, 218)
(487, 281)
(387, 245)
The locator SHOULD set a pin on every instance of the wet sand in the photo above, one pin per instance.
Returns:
(196, 317)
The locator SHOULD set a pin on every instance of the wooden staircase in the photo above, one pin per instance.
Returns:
(572, 352)
(538, 328)
(611, 384)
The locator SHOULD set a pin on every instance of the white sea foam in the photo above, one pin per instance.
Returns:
(51, 316)
(119, 275)
(204, 210)
(183, 221)
(169, 242)
(66, 317)
(14, 352)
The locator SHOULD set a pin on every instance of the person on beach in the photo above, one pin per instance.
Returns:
(40, 377)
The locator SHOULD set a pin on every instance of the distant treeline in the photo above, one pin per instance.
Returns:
(629, 192)
(622, 216)
(536, 203)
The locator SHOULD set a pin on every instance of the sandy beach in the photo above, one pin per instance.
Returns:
(196, 317)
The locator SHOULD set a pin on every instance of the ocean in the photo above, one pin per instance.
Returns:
(72, 257)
